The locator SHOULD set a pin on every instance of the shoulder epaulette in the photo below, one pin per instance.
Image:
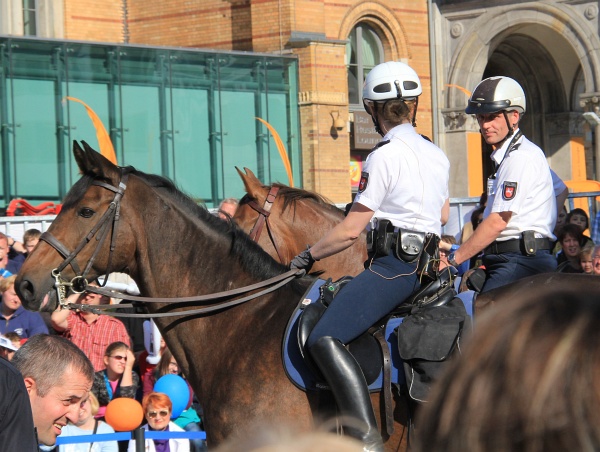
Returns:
(381, 143)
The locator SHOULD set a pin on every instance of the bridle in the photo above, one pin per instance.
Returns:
(263, 218)
(79, 283)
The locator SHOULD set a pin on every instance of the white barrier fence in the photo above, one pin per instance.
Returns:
(460, 213)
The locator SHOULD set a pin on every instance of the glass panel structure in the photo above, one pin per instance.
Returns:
(185, 114)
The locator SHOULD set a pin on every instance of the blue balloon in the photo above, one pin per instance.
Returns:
(177, 389)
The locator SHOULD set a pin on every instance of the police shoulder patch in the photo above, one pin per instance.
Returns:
(509, 190)
(364, 180)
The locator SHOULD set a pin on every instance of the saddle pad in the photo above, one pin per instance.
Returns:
(294, 365)
(299, 373)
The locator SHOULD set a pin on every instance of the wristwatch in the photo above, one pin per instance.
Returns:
(451, 261)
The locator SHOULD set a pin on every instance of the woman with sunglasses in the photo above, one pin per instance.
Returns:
(118, 379)
(157, 411)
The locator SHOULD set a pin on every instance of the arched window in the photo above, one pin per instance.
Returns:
(363, 52)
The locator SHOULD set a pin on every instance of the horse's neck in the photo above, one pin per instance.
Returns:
(180, 255)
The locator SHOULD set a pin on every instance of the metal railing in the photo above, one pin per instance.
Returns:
(461, 208)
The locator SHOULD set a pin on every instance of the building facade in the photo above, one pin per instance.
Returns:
(550, 47)
(334, 44)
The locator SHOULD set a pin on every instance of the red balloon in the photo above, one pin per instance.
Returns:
(124, 414)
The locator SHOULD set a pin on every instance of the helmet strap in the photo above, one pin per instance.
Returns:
(511, 130)
(414, 118)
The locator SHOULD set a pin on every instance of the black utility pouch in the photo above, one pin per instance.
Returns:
(529, 245)
(385, 237)
(409, 245)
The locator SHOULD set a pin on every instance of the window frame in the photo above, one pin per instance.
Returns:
(361, 70)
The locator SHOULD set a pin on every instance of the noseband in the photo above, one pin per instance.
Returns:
(79, 283)
(263, 218)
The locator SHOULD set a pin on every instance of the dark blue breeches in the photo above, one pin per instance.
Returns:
(502, 269)
(366, 299)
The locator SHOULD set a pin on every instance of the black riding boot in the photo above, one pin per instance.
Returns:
(349, 387)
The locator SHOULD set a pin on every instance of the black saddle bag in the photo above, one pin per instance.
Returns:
(427, 338)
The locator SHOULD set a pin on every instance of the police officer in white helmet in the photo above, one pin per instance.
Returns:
(516, 233)
(403, 193)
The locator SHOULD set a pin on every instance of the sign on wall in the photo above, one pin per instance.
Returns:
(363, 132)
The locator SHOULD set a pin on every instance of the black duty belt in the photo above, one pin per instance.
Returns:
(516, 246)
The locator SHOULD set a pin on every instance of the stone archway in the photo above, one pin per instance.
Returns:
(546, 47)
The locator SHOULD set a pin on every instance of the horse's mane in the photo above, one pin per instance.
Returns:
(252, 257)
(292, 195)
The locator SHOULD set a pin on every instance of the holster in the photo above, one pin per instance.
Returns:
(384, 238)
(408, 246)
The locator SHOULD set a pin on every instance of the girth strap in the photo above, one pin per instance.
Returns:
(386, 387)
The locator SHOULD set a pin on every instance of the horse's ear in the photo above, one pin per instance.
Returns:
(93, 163)
(253, 186)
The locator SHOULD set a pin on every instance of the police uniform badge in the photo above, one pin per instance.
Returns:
(364, 180)
(509, 190)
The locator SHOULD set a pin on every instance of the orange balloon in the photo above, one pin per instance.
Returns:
(123, 414)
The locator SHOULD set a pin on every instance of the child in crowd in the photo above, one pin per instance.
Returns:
(585, 260)
(31, 237)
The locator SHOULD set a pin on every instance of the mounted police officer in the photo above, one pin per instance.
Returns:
(516, 234)
(403, 193)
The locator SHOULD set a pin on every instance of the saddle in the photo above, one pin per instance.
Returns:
(377, 351)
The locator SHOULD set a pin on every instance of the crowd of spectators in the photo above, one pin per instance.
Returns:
(114, 348)
(127, 365)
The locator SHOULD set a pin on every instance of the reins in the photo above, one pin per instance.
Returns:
(275, 283)
(79, 283)
(263, 218)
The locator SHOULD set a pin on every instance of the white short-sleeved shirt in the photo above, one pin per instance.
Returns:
(524, 186)
(406, 181)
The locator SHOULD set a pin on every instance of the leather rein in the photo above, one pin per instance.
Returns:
(79, 284)
(263, 218)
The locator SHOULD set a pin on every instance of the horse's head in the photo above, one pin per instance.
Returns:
(80, 245)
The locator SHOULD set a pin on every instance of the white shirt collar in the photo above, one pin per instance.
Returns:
(498, 155)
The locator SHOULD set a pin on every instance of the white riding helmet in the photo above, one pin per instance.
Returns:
(496, 94)
(391, 80)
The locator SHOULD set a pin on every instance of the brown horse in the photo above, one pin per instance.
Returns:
(120, 219)
(300, 218)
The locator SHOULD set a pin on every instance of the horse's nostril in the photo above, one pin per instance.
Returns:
(25, 290)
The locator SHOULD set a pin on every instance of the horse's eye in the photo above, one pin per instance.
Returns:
(86, 212)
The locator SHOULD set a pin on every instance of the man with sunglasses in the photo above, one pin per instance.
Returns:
(516, 234)
(91, 332)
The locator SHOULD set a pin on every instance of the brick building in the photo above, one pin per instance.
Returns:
(336, 43)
